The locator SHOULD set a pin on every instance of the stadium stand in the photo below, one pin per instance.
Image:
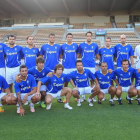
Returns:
(77, 25)
(121, 24)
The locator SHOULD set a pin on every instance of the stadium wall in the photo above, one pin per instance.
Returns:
(122, 18)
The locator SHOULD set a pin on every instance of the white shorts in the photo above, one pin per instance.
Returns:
(125, 89)
(2, 94)
(43, 88)
(105, 91)
(22, 96)
(138, 87)
(67, 71)
(11, 74)
(91, 69)
(54, 95)
(85, 90)
(2, 72)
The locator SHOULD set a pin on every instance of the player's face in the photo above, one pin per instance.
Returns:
(51, 39)
(69, 38)
(11, 40)
(79, 66)
(104, 67)
(123, 39)
(40, 65)
(108, 42)
(30, 41)
(59, 71)
(88, 37)
(125, 65)
(23, 72)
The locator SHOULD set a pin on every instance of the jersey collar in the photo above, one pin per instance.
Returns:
(37, 69)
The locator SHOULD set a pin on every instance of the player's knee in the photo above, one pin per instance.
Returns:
(75, 93)
(48, 100)
(35, 99)
(134, 92)
(100, 96)
(13, 100)
(113, 89)
(118, 93)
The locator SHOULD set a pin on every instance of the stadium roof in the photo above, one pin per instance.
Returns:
(65, 8)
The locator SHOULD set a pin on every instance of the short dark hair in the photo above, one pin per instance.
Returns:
(22, 66)
(40, 60)
(69, 34)
(108, 37)
(124, 60)
(58, 66)
(78, 61)
(103, 63)
(11, 36)
(51, 34)
(89, 32)
(29, 36)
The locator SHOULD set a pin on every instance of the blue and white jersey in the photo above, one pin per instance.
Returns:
(137, 78)
(104, 80)
(124, 78)
(51, 55)
(25, 86)
(2, 60)
(30, 56)
(82, 80)
(3, 84)
(123, 53)
(38, 75)
(88, 53)
(69, 55)
(107, 55)
(13, 56)
(55, 84)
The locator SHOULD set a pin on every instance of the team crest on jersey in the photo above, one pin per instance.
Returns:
(121, 74)
(27, 81)
(100, 78)
(47, 48)
(33, 50)
(129, 73)
(62, 78)
(85, 74)
(126, 48)
(77, 77)
(55, 47)
(43, 73)
(0, 46)
(54, 79)
(26, 51)
(35, 75)
(0, 88)
(15, 49)
(119, 48)
(73, 47)
(111, 50)
(92, 47)
(85, 47)
(108, 77)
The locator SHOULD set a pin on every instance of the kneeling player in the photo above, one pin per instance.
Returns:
(81, 80)
(104, 79)
(55, 86)
(6, 98)
(124, 81)
(25, 90)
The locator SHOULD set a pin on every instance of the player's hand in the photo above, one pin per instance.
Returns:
(76, 88)
(10, 94)
(110, 71)
(34, 46)
(50, 74)
(22, 111)
(38, 94)
(18, 79)
(25, 98)
(119, 87)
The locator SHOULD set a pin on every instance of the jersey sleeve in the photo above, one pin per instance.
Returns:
(113, 76)
(79, 50)
(115, 49)
(38, 52)
(131, 53)
(17, 87)
(45, 79)
(47, 70)
(67, 78)
(97, 49)
(30, 71)
(4, 84)
(61, 50)
(91, 75)
(42, 50)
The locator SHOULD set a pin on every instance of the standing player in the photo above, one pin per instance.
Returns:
(80, 78)
(5, 97)
(137, 56)
(107, 54)
(88, 51)
(51, 52)
(13, 55)
(123, 51)
(30, 53)
(124, 81)
(2, 60)
(26, 89)
(55, 86)
(104, 79)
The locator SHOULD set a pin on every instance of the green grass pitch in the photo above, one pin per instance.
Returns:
(100, 122)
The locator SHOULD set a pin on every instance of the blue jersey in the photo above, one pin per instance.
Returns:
(13, 56)
(30, 56)
(51, 55)
(38, 75)
(55, 84)
(69, 55)
(81, 80)
(123, 53)
(124, 78)
(88, 53)
(25, 86)
(137, 78)
(104, 80)
(3, 84)
(2, 60)
(107, 55)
